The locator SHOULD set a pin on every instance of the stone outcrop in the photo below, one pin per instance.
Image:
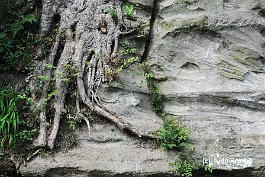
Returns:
(208, 57)
(211, 54)
(106, 151)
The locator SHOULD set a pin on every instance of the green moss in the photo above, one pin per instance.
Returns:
(230, 75)
(167, 26)
(195, 22)
(250, 61)
(247, 57)
(231, 71)
(186, 1)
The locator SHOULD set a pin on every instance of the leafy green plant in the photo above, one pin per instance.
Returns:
(208, 168)
(17, 39)
(174, 137)
(184, 168)
(156, 96)
(25, 97)
(9, 117)
(27, 135)
(71, 122)
(127, 55)
(43, 78)
(112, 11)
(17, 128)
(129, 10)
(19, 24)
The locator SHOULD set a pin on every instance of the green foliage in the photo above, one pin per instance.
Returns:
(27, 135)
(43, 78)
(208, 168)
(129, 10)
(127, 55)
(184, 168)
(49, 66)
(16, 126)
(19, 24)
(18, 39)
(71, 122)
(51, 95)
(112, 11)
(9, 117)
(26, 98)
(156, 96)
(173, 137)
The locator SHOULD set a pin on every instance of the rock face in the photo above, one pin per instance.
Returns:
(106, 151)
(211, 54)
(209, 59)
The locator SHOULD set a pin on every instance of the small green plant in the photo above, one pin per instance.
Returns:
(52, 94)
(156, 96)
(43, 78)
(208, 168)
(112, 11)
(9, 117)
(127, 55)
(71, 121)
(173, 136)
(19, 24)
(49, 66)
(27, 135)
(184, 168)
(17, 42)
(129, 10)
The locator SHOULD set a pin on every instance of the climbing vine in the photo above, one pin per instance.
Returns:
(172, 136)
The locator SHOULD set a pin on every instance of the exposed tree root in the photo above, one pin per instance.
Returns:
(91, 42)
(42, 138)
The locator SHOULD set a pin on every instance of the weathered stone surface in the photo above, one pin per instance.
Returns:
(127, 96)
(109, 150)
(106, 150)
(212, 54)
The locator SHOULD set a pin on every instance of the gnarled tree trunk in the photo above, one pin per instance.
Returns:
(85, 46)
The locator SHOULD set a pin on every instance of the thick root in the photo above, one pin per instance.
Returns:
(90, 49)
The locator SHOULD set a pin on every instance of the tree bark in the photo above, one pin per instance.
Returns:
(92, 37)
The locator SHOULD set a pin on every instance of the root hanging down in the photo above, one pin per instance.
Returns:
(88, 49)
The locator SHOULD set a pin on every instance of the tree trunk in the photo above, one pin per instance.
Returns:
(89, 33)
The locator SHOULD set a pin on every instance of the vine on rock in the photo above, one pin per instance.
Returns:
(172, 136)
(87, 40)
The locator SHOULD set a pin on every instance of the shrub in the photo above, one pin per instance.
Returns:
(174, 137)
